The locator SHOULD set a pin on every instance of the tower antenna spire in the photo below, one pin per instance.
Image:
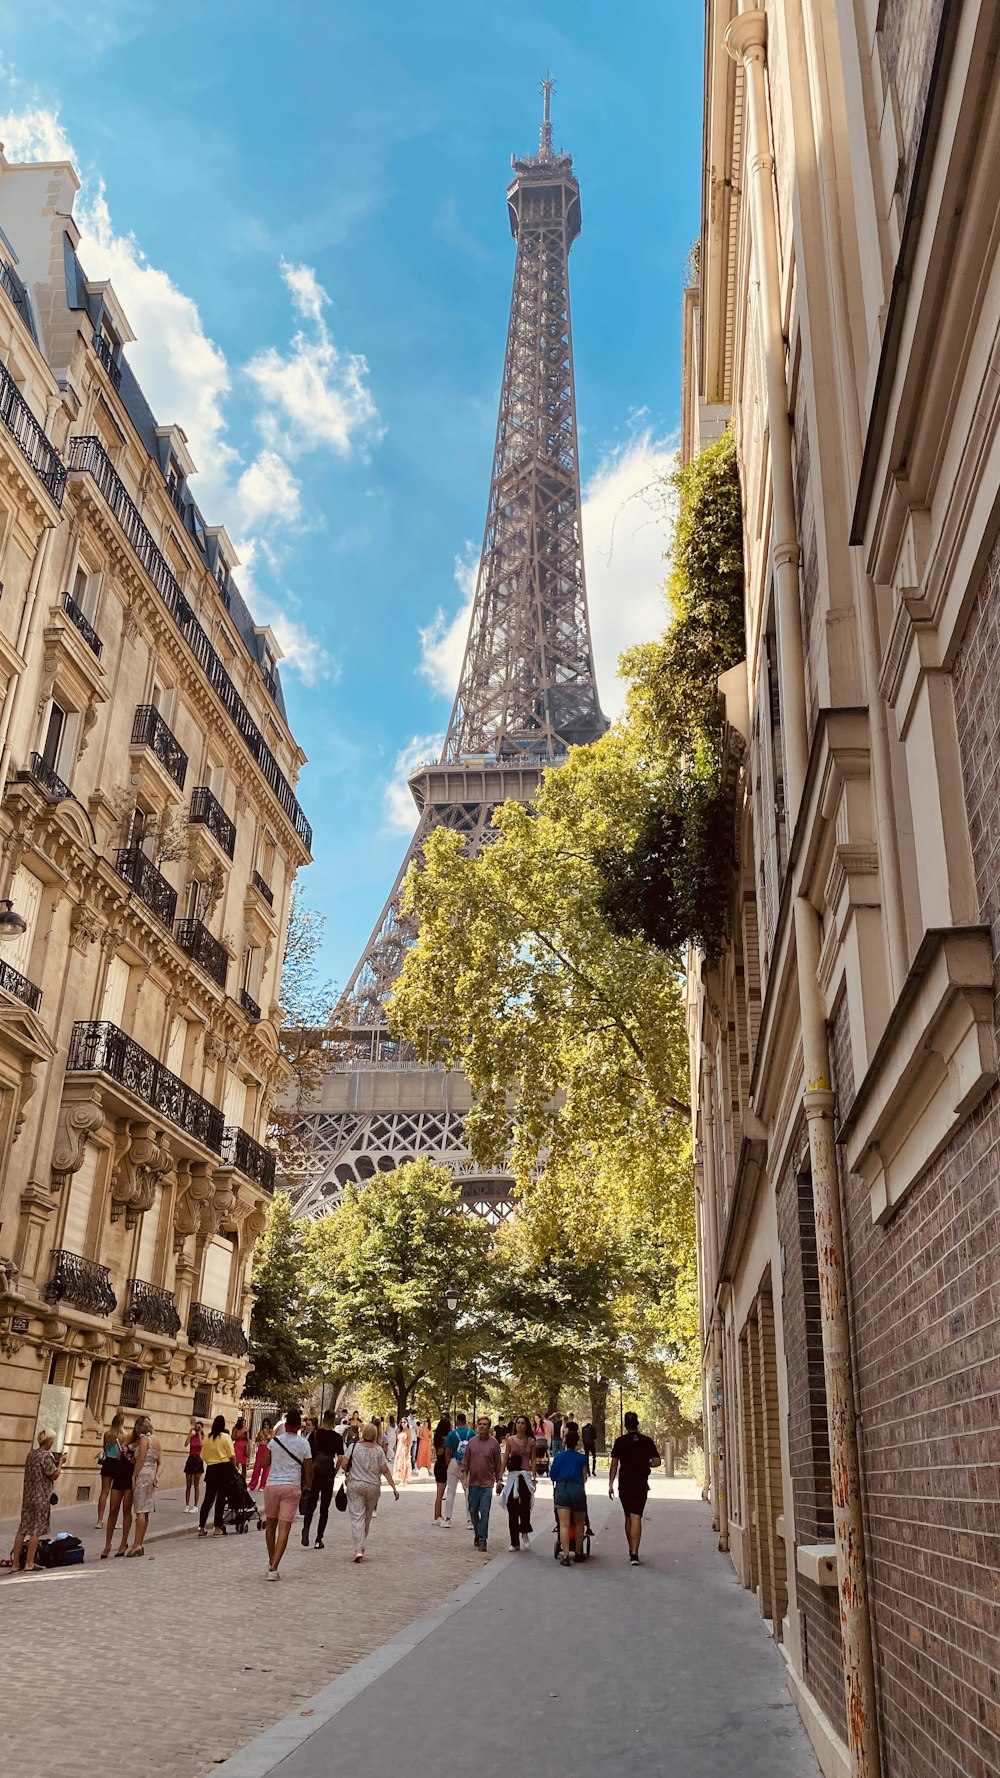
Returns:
(545, 137)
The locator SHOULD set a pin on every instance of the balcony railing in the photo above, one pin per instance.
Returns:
(14, 983)
(263, 888)
(100, 1048)
(107, 357)
(194, 938)
(207, 811)
(210, 1327)
(30, 438)
(142, 875)
(50, 781)
(89, 455)
(150, 730)
(16, 291)
(250, 1006)
(83, 624)
(249, 1157)
(150, 1308)
(81, 1282)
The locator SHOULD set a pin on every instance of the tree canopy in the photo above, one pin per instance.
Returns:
(280, 1358)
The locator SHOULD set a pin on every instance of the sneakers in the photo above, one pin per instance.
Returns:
(318, 1545)
(633, 1561)
(446, 1523)
(272, 1574)
(525, 1540)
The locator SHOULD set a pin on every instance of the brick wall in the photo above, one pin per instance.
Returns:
(808, 1443)
(926, 1315)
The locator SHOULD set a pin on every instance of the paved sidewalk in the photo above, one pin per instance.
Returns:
(664, 1669)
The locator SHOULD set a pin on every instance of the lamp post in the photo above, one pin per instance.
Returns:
(451, 1299)
(12, 924)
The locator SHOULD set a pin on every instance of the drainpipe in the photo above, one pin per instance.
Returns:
(720, 1498)
(25, 637)
(745, 40)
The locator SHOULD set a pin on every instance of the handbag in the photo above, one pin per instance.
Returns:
(340, 1498)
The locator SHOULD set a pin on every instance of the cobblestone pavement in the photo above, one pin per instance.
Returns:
(187, 1654)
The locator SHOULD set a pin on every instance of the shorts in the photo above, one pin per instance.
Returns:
(571, 1496)
(633, 1501)
(194, 1466)
(282, 1502)
(441, 1469)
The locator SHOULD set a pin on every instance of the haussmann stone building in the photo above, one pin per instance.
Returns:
(149, 834)
(846, 322)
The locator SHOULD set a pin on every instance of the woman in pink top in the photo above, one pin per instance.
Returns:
(241, 1445)
(194, 1468)
(520, 1442)
(264, 1437)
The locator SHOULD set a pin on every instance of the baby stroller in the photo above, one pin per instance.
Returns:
(240, 1508)
(581, 1555)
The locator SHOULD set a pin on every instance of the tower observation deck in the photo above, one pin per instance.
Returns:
(526, 694)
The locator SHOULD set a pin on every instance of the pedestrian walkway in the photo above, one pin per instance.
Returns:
(168, 1519)
(667, 1666)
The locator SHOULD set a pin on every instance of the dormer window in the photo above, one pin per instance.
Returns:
(175, 483)
(108, 347)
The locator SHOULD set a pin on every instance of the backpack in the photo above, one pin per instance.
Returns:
(62, 1551)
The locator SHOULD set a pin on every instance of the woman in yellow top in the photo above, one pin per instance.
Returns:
(218, 1456)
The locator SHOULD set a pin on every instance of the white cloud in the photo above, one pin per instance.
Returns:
(314, 395)
(442, 643)
(34, 134)
(627, 522)
(399, 809)
(628, 517)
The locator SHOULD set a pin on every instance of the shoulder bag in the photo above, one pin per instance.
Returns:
(303, 1491)
(340, 1498)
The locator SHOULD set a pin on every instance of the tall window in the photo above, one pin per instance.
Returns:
(76, 1224)
(26, 895)
(115, 990)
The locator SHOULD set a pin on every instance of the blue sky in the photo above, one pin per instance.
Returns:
(301, 206)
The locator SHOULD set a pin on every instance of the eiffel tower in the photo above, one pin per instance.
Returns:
(526, 694)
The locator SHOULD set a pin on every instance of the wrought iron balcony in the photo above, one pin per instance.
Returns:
(88, 455)
(108, 359)
(150, 886)
(100, 1047)
(16, 291)
(81, 1282)
(210, 1327)
(47, 779)
(14, 983)
(207, 811)
(250, 1006)
(83, 624)
(30, 438)
(194, 938)
(263, 888)
(150, 1308)
(249, 1157)
(150, 730)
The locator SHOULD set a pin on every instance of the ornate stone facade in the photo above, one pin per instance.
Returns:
(149, 836)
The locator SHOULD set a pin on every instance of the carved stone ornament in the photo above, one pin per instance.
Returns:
(196, 1187)
(9, 1276)
(215, 1047)
(142, 1159)
(85, 927)
(78, 1119)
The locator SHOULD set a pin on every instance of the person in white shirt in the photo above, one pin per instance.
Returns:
(287, 1470)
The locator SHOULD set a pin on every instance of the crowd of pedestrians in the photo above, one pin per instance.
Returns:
(298, 1463)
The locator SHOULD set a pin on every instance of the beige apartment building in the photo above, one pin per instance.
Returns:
(844, 1047)
(149, 835)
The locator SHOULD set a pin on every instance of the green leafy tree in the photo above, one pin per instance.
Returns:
(278, 1350)
(304, 1038)
(377, 1270)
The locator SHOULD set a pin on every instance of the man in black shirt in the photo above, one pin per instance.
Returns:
(326, 1446)
(634, 1455)
(588, 1438)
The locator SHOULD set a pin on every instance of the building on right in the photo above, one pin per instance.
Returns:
(845, 321)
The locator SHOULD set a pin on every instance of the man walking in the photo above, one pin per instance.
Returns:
(454, 1445)
(326, 1445)
(634, 1455)
(588, 1439)
(481, 1464)
(287, 1470)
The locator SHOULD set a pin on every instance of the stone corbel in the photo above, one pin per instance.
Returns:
(85, 927)
(78, 1119)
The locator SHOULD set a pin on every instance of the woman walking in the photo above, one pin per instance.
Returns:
(441, 1432)
(264, 1437)
(148, 1457)
(568, 1470)
(41, 1468)
(521, 1442)
(425, 1447)
(352, 1431)
(111, 1448)
(218, 1455)
(194, 1468)
(516, 1497)
(241, 1445)
(365, 1465)
(121, 1499)
(401, 1460)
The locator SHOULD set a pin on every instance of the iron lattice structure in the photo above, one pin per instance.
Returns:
(526, 694)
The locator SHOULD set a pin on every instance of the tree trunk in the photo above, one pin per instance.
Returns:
(598, 1389)
(400, 1390)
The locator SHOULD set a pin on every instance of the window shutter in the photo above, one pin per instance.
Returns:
(81, 1194)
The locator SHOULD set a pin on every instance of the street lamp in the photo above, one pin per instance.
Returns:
(12, 924)
(451, 1300)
